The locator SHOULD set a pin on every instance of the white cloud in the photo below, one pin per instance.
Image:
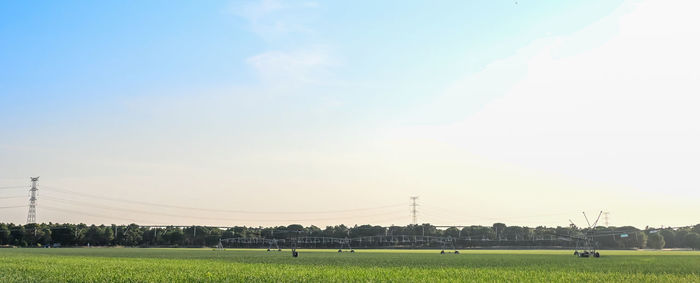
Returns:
(284, 65)
(294, 67)
(256, 10)
(623, 111)
(272, 20)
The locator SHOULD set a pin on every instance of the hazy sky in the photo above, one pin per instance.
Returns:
(311, 112)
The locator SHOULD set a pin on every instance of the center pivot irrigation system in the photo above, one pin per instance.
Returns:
(343, 244)
(271, 243)
(585, 239)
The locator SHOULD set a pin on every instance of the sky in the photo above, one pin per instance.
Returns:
(327, 112)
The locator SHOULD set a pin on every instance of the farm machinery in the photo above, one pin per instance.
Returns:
(586, 246)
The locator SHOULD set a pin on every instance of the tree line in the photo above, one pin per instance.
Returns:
(497, 235)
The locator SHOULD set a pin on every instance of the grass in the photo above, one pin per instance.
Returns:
(206, 265)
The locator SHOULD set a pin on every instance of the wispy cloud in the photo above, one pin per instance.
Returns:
(307, 61)
(271, 19)
(303, 66)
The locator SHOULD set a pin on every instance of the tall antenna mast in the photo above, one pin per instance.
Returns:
(31, 217)
(414, 212)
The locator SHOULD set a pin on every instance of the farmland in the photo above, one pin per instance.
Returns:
(164, 265)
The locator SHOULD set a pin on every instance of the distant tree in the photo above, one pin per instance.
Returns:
(174, 236)
(479, 233)
(452, 232)
(315, 231)
(94, 235)
(471, 236)
(132, 235)
(295, 227)
(45, 237)
(543, 233)
(240, 232)
(527, 233)
(640, 240)
(213, 236)
(338, 231)
(669, 237)
(228, 233)
(412, 229)
(607, 242)
(655, 241)
(152, 236)
(499, 229)
(679, 239)
(17, 235)
(513, 233)
(428, 230)
(692, 240)
(107, 236)
(696, 228)
(33, 233)
(367, 230)
(5, 238)
(635, 238)
(64, 234)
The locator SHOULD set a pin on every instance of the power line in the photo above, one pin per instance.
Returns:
(441, 212)
(12, 197)
(218, 210)
(14, 187)
(197, 217)
(88, 214)
(17, 206)
(49, 198)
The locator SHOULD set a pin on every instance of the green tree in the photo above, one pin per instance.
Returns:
(478, 233)
(35, 235)
(174, 236)
(5, 238)
(696, 228)
(17, 235)
(499, 229)
(452, 232)
(634, 239)
(669, 238)
(315, 231)
(94, 235)
(107, 236)
(692, 240)
(45, 237)
(656, 241)
(132, 235)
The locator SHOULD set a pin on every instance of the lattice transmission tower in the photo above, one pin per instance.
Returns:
(414, 211)
(31, 217)
(606, 217)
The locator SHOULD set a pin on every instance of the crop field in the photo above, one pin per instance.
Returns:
(205, 265)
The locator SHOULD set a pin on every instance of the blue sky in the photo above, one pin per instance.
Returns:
(146, 99)
(80, 54)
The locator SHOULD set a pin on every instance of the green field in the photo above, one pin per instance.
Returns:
(187, 265)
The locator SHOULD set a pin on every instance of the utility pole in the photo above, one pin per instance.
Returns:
(31, 217)
(414, 212)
